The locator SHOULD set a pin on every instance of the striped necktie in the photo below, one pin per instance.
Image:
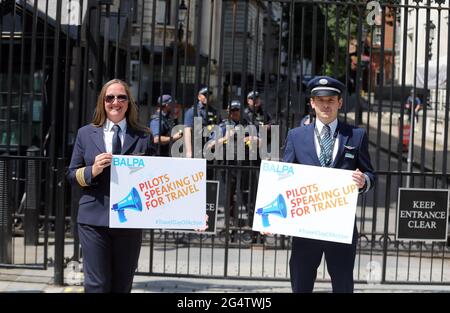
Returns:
(326, 146)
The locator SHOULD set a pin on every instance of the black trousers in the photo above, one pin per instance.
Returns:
(307, 255)
(110, 258)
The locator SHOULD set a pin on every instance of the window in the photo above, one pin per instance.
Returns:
(134, 70)
(163, 12)
(134, 12)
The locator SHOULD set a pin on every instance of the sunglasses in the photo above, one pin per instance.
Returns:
(120, 98)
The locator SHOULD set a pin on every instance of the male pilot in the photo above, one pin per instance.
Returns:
(327, 142)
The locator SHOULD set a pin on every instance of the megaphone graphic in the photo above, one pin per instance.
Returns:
(276, 207)
(130, 202)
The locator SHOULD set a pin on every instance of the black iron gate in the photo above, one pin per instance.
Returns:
(55, 55)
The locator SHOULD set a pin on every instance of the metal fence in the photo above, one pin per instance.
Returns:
(55, 56)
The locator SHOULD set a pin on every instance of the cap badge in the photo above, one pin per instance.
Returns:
(323, 81)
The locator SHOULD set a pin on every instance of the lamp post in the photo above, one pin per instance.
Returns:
(182, 10)
(432, 29)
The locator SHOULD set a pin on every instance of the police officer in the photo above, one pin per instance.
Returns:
(161, 125)
(254, 113)
(238, 181)
(205, 111)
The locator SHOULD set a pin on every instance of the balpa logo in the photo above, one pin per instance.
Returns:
(283, 170)
(134, 164)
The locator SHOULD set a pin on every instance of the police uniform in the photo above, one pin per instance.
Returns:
(209, 118)
(230, 122)
(256, 116)
(166, 124)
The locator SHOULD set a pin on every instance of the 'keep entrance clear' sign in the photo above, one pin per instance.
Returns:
(422, 214)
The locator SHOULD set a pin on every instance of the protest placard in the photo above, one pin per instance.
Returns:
(306, 201)
(157, 192)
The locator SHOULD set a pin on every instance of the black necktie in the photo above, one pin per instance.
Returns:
(116, 143)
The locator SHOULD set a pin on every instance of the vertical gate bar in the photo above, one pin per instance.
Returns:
(314, 39)
(238, 214)
(175, 55)
(68, 61)
(325, 41)
(227, 221)
(30, 118)
(116, 56)
(1, 37)
(165, 250)
(290, 56)
(141, 45)
(420, 260)
(447, 108)
(410, 183)
(9, 81)
(386, 227)
(221, 56)
(359, 47)
(6, 214)
(106, 35)
(431, 260)
(31, 210)
(347, 61)
(442, 262)
(44, 169)
(152, 52)
(402, 93)
(21, 78)
(79, 84)
(85, 116)
(302, 105)
(437, 93)
(54, 166)
(233, 48)
(32, 78)
(213, 238)
(54, 100)
(255, 63)
(128, 46)
(427, 96)
(59, 223)
(189, 254)
(244, 70)
(161, 75)
(278, 100)
(336, 40)
(369, 87)
(381, 86)
(391, 110)
(151, 251)
(197, 44)
(185, 60)
(208, 59)
(267, 53)
(176, 234)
